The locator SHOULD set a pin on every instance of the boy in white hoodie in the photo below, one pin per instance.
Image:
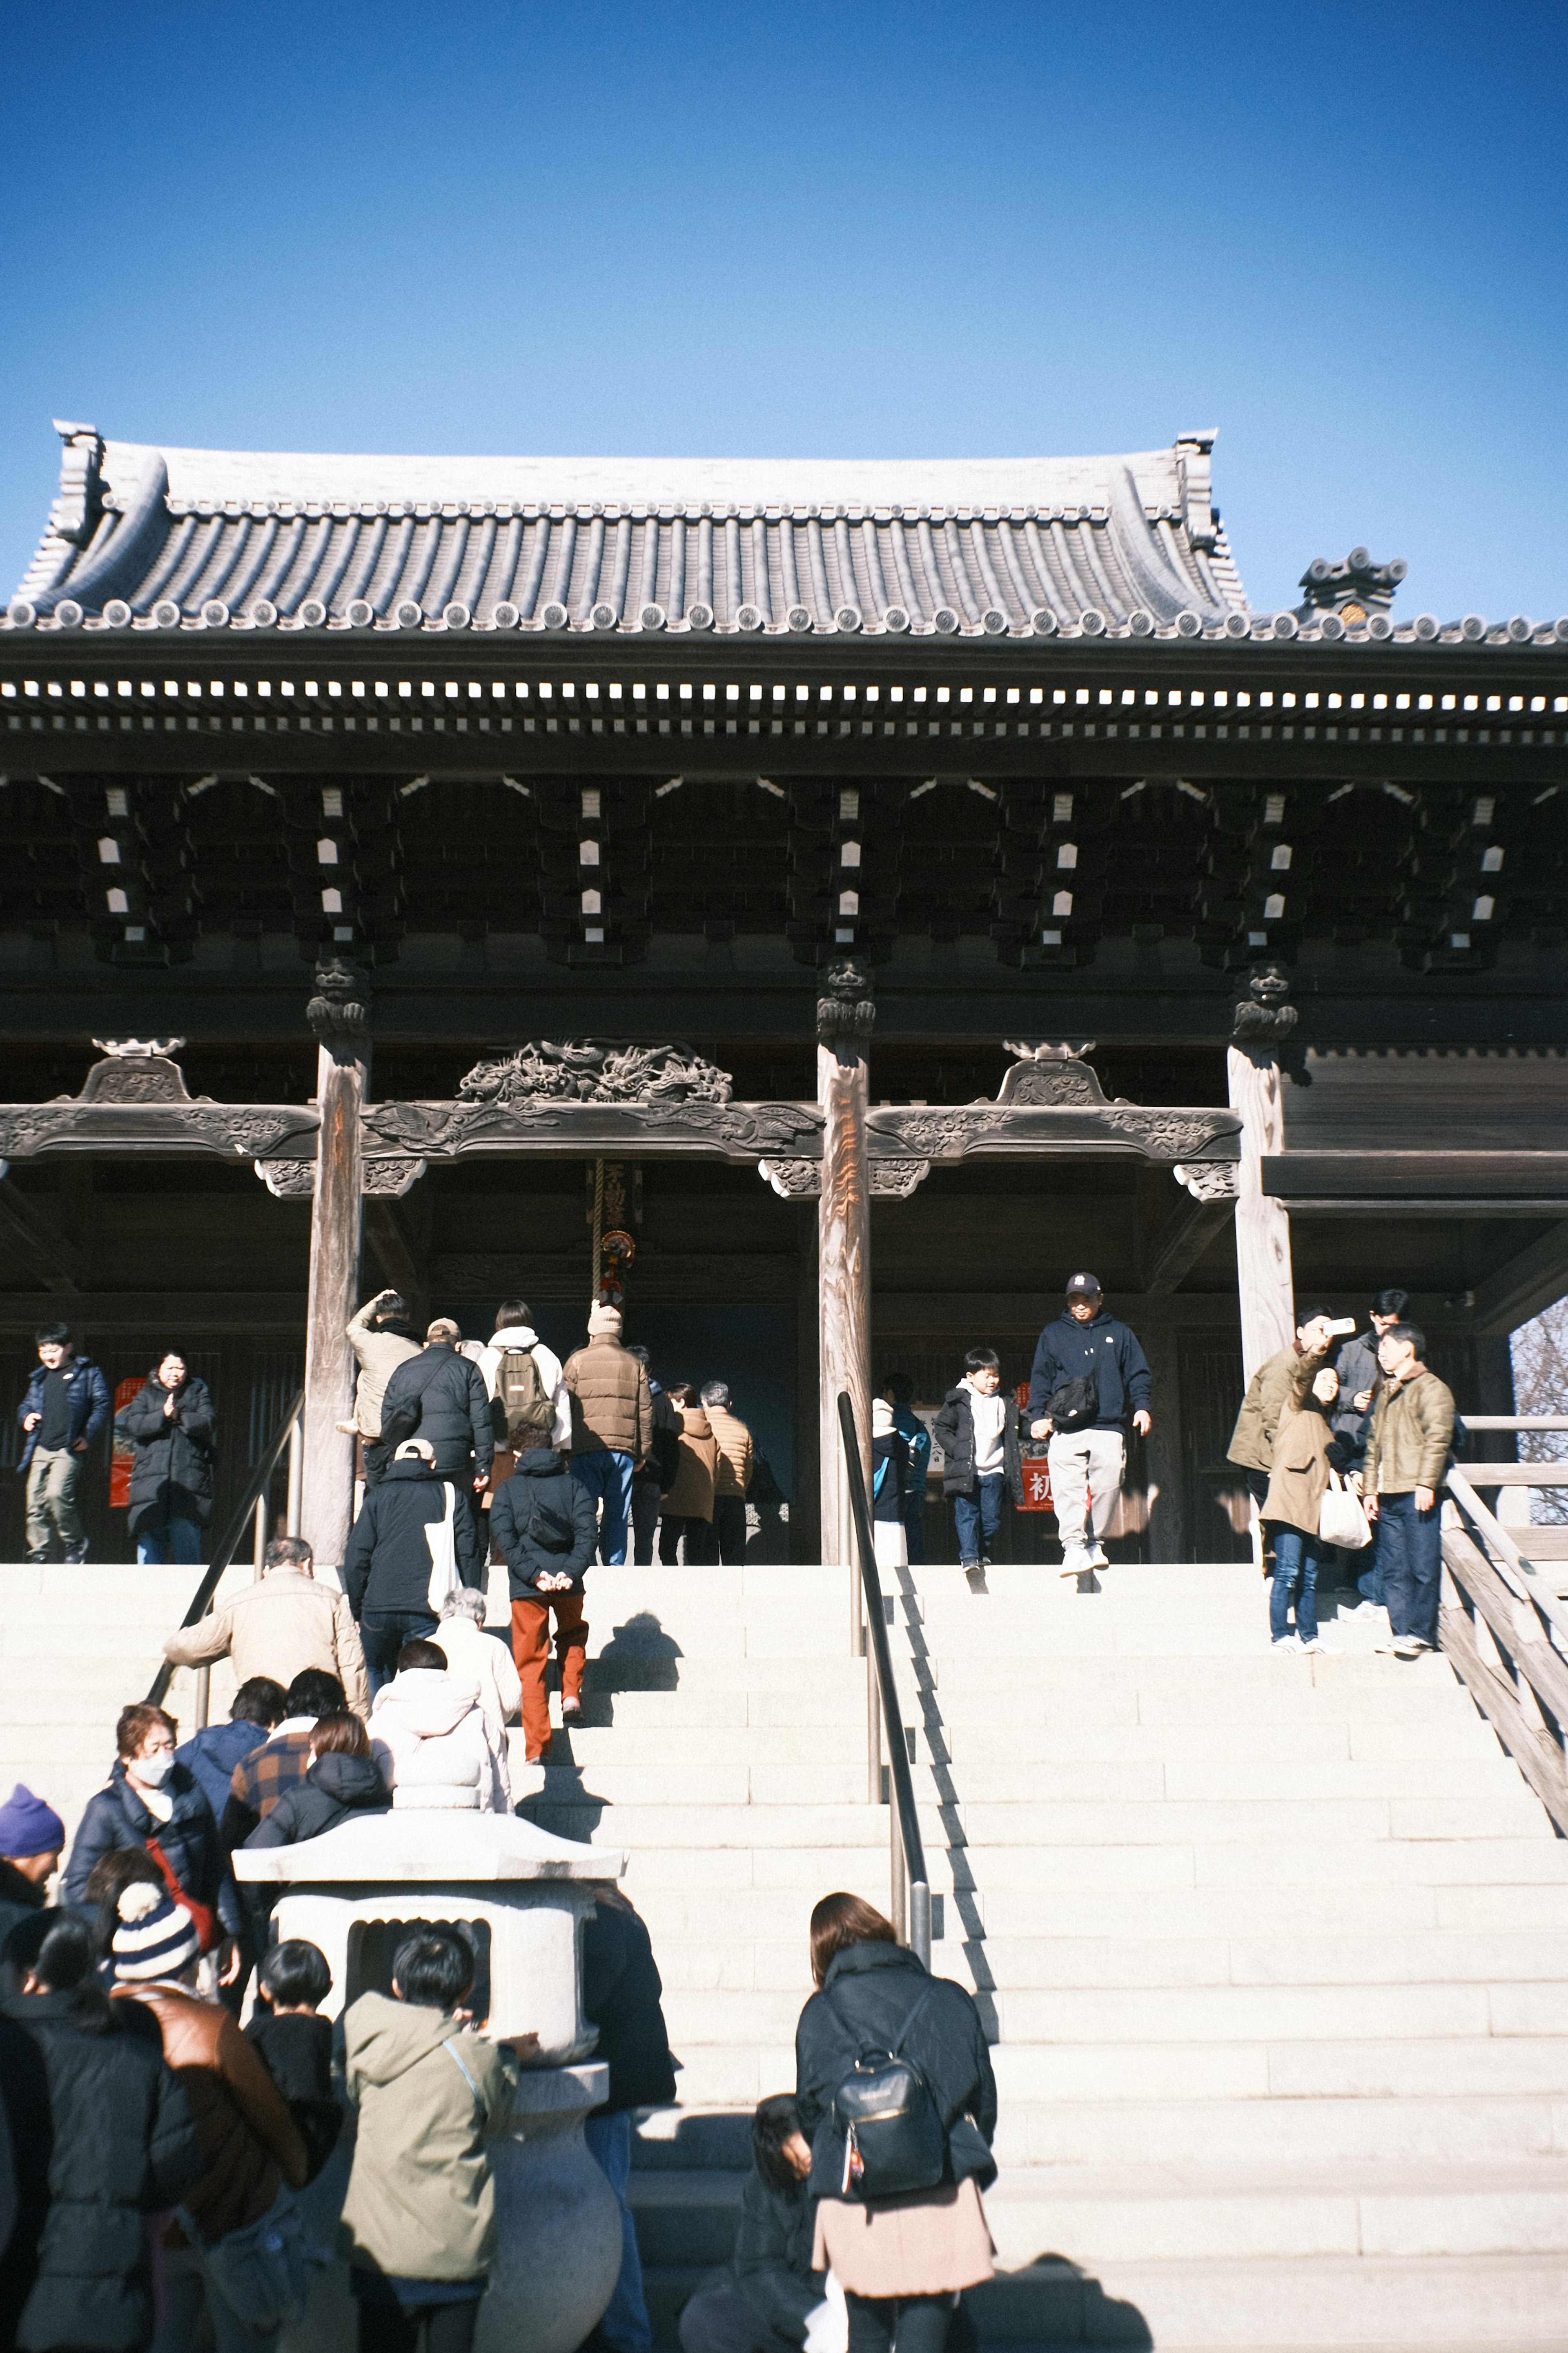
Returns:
(551, 1421)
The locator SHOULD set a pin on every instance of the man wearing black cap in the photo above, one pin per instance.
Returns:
(1089, 1376)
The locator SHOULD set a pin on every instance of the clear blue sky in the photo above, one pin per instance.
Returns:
(1338, 232)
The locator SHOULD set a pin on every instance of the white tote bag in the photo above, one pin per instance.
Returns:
(1341, 1519)
(444, 1577)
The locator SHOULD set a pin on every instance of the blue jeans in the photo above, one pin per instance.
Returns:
(176, 1540)
(383, 1633)
(979, 1516)
(915, 1526)
(1295, 1556)
(1410, 1560)
(625, 2323)
(1369, 1585)
(607, 1473)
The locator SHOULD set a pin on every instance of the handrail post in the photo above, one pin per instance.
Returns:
(296, 1473)
(261, 1532)
(909, 1862)
(203, 1696)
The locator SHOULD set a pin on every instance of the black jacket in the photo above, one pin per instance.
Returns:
(1067, 1350)
(172, 1470)
(334, 1788)
(890, 1475)
(116, 1818)
(664, 1452)
(772, 2264)
(621, 1996)
(111, 2130)
(440, 1395)
(954, 1431)
(544, 1522)
(386, 1561)
(88, 1403)
(870, 1992)
(20, 1897)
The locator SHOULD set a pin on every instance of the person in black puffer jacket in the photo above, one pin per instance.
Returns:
(387, 1559)
(104, 2128)
(440, 1395)
(151, 1799)
(341, 1781)
(171, 1423)
(900, 2261)
(623, 1996)
(771, 2294)
(543, 1523)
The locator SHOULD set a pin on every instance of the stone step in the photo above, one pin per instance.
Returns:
(1042, 1964)
(1503, 2304)
(1153, 2214)
(1266, 2131)
(1456, 2067)
(1183, 2017)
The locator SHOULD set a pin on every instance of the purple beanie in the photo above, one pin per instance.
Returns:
(29, 1827)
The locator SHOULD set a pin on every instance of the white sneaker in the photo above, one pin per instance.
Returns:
(1076, 1560)
(1096, 1557)
(1314, 1645)
(1287, 1642)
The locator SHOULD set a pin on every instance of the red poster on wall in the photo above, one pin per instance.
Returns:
(119, 1461)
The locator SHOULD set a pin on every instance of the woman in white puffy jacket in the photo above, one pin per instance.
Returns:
(443, 1751)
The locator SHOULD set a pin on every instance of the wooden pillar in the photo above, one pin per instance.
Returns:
(338, 1014)
(845, 1014)
(1264, 1283)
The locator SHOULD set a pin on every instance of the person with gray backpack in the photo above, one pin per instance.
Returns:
(897, 2099)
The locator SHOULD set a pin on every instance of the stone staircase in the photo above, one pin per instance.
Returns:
(1274, 1948)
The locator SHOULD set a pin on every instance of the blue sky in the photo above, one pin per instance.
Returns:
(1336, 232)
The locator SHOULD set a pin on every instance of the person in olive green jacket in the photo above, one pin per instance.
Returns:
(1268, 1394)
(1407, 1451)
(419, 2221)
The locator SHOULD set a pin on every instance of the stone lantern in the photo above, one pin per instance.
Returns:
(520, 1897)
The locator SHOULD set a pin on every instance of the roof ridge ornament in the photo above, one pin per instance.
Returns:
(1355, 589)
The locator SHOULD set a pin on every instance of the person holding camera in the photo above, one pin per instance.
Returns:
(1089, 1376)
(1268, 1396)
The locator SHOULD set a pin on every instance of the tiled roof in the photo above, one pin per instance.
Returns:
(149, 537)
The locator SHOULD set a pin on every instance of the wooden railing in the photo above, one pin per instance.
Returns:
(1501, 1621)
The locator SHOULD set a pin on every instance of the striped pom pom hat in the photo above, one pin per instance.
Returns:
(156, 1938)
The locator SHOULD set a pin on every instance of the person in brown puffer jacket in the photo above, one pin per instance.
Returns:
(252, 2150)
(686, 1510)
(732, 1477)
(612, 1425)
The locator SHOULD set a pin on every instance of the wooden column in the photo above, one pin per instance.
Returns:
(844, 1018)
(1262, 1224)
(340, 1016)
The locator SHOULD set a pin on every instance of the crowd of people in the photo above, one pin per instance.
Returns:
(1344, 1439)
(166, 2178)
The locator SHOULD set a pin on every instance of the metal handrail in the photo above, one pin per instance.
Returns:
(212, 1576)
(906, 1819)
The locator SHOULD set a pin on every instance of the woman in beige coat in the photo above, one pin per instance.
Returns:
(1293, 1505)
(686, 1508)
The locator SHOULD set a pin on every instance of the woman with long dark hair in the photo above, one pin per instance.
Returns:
(900, 2259)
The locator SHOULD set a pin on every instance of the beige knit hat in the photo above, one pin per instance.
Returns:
(603, 1320)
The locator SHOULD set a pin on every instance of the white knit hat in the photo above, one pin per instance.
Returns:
(156, 1936)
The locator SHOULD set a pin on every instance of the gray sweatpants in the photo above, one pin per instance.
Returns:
(1085, 1479)
(54, 1478)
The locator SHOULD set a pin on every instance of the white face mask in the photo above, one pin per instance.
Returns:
(154, 1770)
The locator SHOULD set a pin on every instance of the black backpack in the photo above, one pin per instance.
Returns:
(894, 2140)
(1076, 1404)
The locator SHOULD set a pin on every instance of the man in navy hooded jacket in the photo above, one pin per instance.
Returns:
(1088, 1457)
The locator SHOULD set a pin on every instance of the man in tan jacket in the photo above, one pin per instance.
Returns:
(612, 1425)
(732, 1473)
(1407, 1461)
(279, 1626)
